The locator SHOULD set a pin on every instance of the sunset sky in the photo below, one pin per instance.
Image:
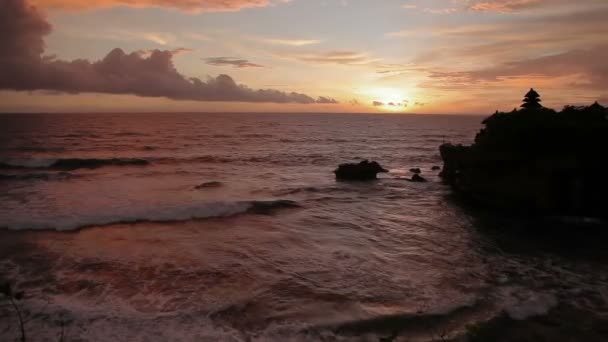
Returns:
(412, 56)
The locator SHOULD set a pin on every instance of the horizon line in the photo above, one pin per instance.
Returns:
(232, 112)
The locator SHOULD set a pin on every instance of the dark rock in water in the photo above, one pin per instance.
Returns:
(436, 168)
(416, 170)
(208, 185)
(362, 171)
(418, 179)
(535, 160)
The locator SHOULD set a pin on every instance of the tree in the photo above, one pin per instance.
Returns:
(532, 100)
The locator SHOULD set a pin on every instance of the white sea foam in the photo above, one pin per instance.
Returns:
(535, 304)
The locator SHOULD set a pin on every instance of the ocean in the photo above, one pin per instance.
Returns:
(232, 227)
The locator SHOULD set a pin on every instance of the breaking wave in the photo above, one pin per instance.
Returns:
(140, 215)
(69, 164)
(37, 176)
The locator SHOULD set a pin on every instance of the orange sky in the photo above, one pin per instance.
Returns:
(401, 56)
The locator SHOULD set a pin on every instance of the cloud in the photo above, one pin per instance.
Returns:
(185, 5)
(290, 42)
(378, 104)
(506, 5)
(235, 62)
(589, 64)
(580, 68)
(332, 57)
(327, 100)
(510, 6)
(148, 73)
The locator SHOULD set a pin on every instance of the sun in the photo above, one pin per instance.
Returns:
(389, 99)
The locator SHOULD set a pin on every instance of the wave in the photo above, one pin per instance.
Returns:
(170, 214)
(69, 164)
(37, 176)
(41, 149)
(400, 323)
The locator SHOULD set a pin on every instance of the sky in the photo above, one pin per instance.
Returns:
(386, 56)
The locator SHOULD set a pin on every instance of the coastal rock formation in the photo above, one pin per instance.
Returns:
(418, 179)
(208, 185)
(536, 160)
(363, 171)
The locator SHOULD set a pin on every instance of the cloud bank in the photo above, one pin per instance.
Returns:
(509, 6)
(151, 73)
(185, 5)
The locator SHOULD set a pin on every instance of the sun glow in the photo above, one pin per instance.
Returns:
(389, 99)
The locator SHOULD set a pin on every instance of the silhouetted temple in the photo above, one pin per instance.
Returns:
(532, 100)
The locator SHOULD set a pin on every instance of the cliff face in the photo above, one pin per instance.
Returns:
(536, 161)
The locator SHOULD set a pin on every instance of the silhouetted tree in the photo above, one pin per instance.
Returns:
(7, 292)
(532, 100)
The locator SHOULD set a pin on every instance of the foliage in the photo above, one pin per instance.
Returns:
(536, 160)
(13, 297)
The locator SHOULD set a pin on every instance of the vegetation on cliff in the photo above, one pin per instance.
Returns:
(536, 159)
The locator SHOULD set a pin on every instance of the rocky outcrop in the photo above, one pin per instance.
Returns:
(535, 160)
(363, 171)
(418, 179)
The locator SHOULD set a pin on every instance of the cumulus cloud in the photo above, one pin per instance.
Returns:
(151, 73)
(185, 5)
(229, 61)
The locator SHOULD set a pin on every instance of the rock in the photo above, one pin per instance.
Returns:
(436, 168)
(416, 170)
(418, 179)
(522, 162)
(362, 171)
(208, 185)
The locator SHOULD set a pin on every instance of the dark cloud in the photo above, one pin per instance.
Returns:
(150, 73)
(327, 100)
(235, 62)
(377, 104)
